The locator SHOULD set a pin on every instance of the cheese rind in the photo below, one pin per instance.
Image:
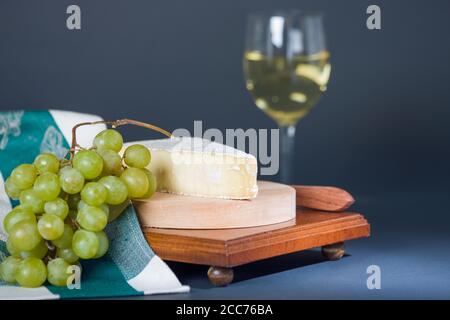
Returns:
(199, 167)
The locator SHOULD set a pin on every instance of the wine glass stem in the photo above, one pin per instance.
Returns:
(287, 144)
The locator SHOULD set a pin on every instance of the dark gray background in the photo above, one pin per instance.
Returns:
(381, 131)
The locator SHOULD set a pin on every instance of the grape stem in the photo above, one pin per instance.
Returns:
(113, 124)
(75, 224)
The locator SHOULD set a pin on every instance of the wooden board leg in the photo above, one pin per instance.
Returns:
(220, 277)
(333, 251)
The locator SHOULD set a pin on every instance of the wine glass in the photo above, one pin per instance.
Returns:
(286, 66)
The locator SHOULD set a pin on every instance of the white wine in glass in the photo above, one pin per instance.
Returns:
(287, 68)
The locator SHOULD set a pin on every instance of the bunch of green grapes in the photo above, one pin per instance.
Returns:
(66, 204)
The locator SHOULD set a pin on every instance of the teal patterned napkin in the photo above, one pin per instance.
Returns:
(131, 267)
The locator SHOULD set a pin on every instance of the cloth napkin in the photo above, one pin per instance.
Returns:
(131, 267)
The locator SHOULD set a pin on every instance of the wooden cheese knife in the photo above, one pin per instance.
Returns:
(323, 198)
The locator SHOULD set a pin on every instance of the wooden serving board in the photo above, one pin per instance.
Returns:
(224, 249)
(274, 204)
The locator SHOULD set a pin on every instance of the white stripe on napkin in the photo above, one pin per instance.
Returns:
(157, 276)
(66, 120)
(18, 293)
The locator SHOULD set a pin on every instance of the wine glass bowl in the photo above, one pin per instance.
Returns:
(286, 89)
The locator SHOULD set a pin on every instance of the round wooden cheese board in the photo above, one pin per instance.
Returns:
(275, 203)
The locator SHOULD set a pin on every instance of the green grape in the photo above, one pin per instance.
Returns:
(85, 244)
(94, 193)
(47, 186)
(109, 139)
(72, 181)
(57, 272)
(58, 207)
(112, 162)
(46, 162)
(136, 182)
(31, 272)
(89, 163)
(65, 240)
(103, 244)
(12, 190)
(73, 201)
(117, 190)
(40, 251)
(50, 227)
(103, 206)
(23, 176)
(29, 199)
(17, 215)
(24, 235)
(137, 156)
(11, 249)
(67, 254)
(8, 269)
(92, 218)
(151, 184)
